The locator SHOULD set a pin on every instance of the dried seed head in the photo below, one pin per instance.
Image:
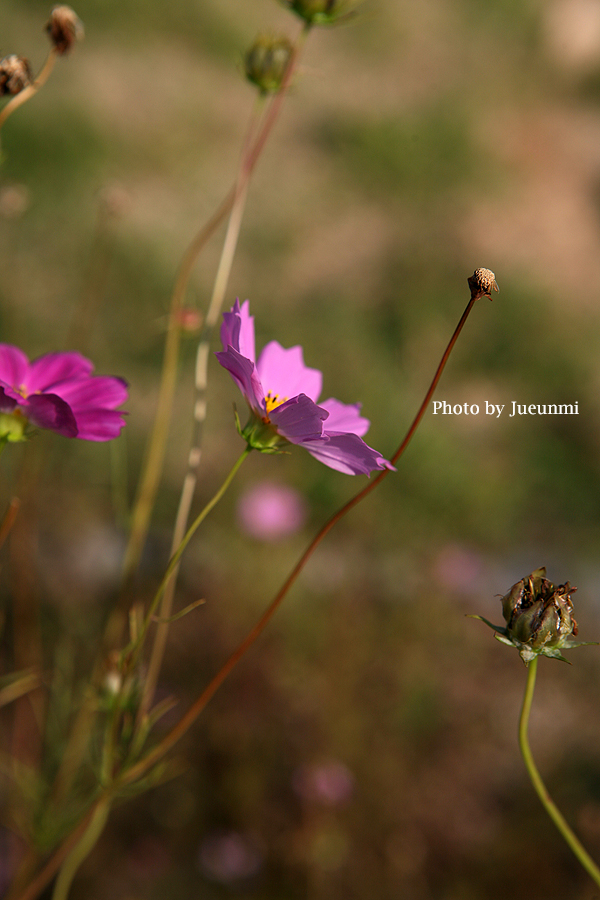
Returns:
(15, 74)
(482, 282)
(64, 27)
(266, 62)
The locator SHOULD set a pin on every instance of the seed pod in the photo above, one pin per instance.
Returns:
(266, 62)
(64, 27)
(482, 282)
(15, 74)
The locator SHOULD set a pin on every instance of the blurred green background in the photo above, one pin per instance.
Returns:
(366, 747)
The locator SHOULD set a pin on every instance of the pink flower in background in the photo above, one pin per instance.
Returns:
(57, 391)
(282, 393)
(270, 511)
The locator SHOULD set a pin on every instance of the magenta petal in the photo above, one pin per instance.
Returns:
(237, 330)
(47, 370)
(299, 420)
(93, 392)
(348, 453)
(244, 373)
(345, 417)
(14, 365)
(283, 373)
(50, 411)
(99, 424)
(7, 404)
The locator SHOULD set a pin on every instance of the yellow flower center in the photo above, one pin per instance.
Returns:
(272, 401)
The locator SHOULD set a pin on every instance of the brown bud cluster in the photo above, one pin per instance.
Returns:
(15, 74)
(64, 27)
(538, 613)
(482, 282)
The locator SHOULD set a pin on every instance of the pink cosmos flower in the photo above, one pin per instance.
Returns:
(282, 394)
(58, 391)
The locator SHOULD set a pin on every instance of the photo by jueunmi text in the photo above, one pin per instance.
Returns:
(496, 409)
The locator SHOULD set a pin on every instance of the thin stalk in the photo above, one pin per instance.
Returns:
(31, 89)
(81, 850)
(158, 439)
(135, 647)
(248, 160)
(540, 788)
(153, 465)
(140, 768)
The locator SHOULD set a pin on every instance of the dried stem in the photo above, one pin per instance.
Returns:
(31, 89)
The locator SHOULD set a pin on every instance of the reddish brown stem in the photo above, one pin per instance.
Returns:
(194, 711)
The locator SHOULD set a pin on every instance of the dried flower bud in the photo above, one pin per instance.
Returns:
(266, 62)
(482, 282)
(64, 27)
(321, 12)
(15, 74)
(539, 618)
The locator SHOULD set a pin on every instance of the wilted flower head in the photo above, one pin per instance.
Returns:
(482, 282)
(57, 391)
(15, 74)
(321, 12)
(539, 617)
(64, 27)
(282, 394)
(266, 62)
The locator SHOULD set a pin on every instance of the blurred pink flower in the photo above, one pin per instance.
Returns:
(270, 512)
(58, 391)
(228, 857)
(330, 783)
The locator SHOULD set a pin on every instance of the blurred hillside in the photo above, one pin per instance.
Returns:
(366, 748)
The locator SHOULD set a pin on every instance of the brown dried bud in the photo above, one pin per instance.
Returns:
(64, 27)
(482, 282)
(15, 74)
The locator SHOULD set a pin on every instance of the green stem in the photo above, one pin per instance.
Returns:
(540, 788)
(169, 741)
(174, 561)
(81, 850)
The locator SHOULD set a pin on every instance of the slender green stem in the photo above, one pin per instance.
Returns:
(81, 850)
(157, 444)
(158, 439)
(248, 158)
(174, 561)
(540, 788)
(169, 741)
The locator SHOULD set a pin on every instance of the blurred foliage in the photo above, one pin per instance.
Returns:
(421, 142)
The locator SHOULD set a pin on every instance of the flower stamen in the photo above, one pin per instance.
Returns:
(272, 401)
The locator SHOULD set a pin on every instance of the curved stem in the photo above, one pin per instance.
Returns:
(31, 89)
(81, 850)
(154, 461)
(197, 707)
(135, 647)
(158, 439)
(540, 788)
(248, 159)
